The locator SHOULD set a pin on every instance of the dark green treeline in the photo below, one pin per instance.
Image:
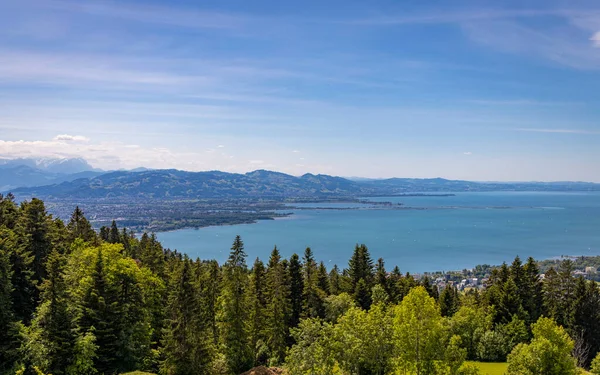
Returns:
(73, 301)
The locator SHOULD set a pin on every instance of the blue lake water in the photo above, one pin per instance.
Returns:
(451, 233)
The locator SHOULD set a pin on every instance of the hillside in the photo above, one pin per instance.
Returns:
(26, 173)
(165, 184)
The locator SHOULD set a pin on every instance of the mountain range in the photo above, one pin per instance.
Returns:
(25, 172)
(177, 184)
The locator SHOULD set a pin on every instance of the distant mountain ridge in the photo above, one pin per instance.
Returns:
(25, 172)
(177, 184)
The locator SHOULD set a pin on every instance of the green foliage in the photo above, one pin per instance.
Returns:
(548, 353)
(49, 342)
(471, 323)
(420, 333)
(312, 353)
(595, 368)
(360, 267)
(337, 305)
(75, 303)
(84, 355)
(187, 346)
(312, 295)
(278, 308)
(449, 301)
(379, 295)
(234, 311)
(362, 342)
(492, 347)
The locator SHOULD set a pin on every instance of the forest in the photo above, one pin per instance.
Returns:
(79, 302)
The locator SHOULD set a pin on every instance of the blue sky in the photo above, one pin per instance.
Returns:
(479, 90)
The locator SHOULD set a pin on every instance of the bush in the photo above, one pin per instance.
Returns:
(492, 347)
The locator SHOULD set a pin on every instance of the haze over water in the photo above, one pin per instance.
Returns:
(453, 233)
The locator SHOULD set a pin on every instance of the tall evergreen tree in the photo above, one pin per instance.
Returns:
(559, 293)
(210, 294)
(24, 288)
(449, 301)
(362, 294)
(33, 231)
(234, 316)
(323, 278)
(98, 317)
(9, 212)
(312, 295)
(296, 289)
(151, 254)
(258, 298)
(187, 345)
(533, 299)
(278, 307)
(395, 286)
(80, 227)
(50, 340)
(113, 234)
(585, 328)
(335, 286)
(381, 276)
(360, 266)
(9, 341)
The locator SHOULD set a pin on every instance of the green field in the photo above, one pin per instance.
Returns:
(491, 368)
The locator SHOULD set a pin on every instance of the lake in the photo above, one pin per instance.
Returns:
(428, 234)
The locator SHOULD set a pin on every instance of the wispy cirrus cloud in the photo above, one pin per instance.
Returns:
(71, 138)
(559, 131)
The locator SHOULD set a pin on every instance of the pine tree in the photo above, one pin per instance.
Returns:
(151, 254)
(449, 301)
(312, 296)
(49, 339)
(24, 289)
(360, 266)
(559, 293)
(80, 227)
(381, 276)
(533, 299)
(104, 233)
(335, 287)
(210, 294)
(187, 345)
(234, 316)
(395, 286)
(296, 289)
(362, 294)
(257, 314)
(323, 278)
(9, 342)
(33, 231)
(431, 289)
(9, 212)
(585, 328)
(278, 307)
(98, 317)
(113, 234)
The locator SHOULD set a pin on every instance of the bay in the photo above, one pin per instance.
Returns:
(429, 233)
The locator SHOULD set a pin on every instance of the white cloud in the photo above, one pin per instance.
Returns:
(220, 146)
(467, 153)
(295, 151)
(71, 138)
(596, 39)
(115, 155)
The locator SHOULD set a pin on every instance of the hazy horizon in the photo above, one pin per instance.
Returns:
(478, 91)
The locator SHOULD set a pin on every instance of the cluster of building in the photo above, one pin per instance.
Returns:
(462, 284)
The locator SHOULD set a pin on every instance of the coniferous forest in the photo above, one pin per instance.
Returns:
(76, 301)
